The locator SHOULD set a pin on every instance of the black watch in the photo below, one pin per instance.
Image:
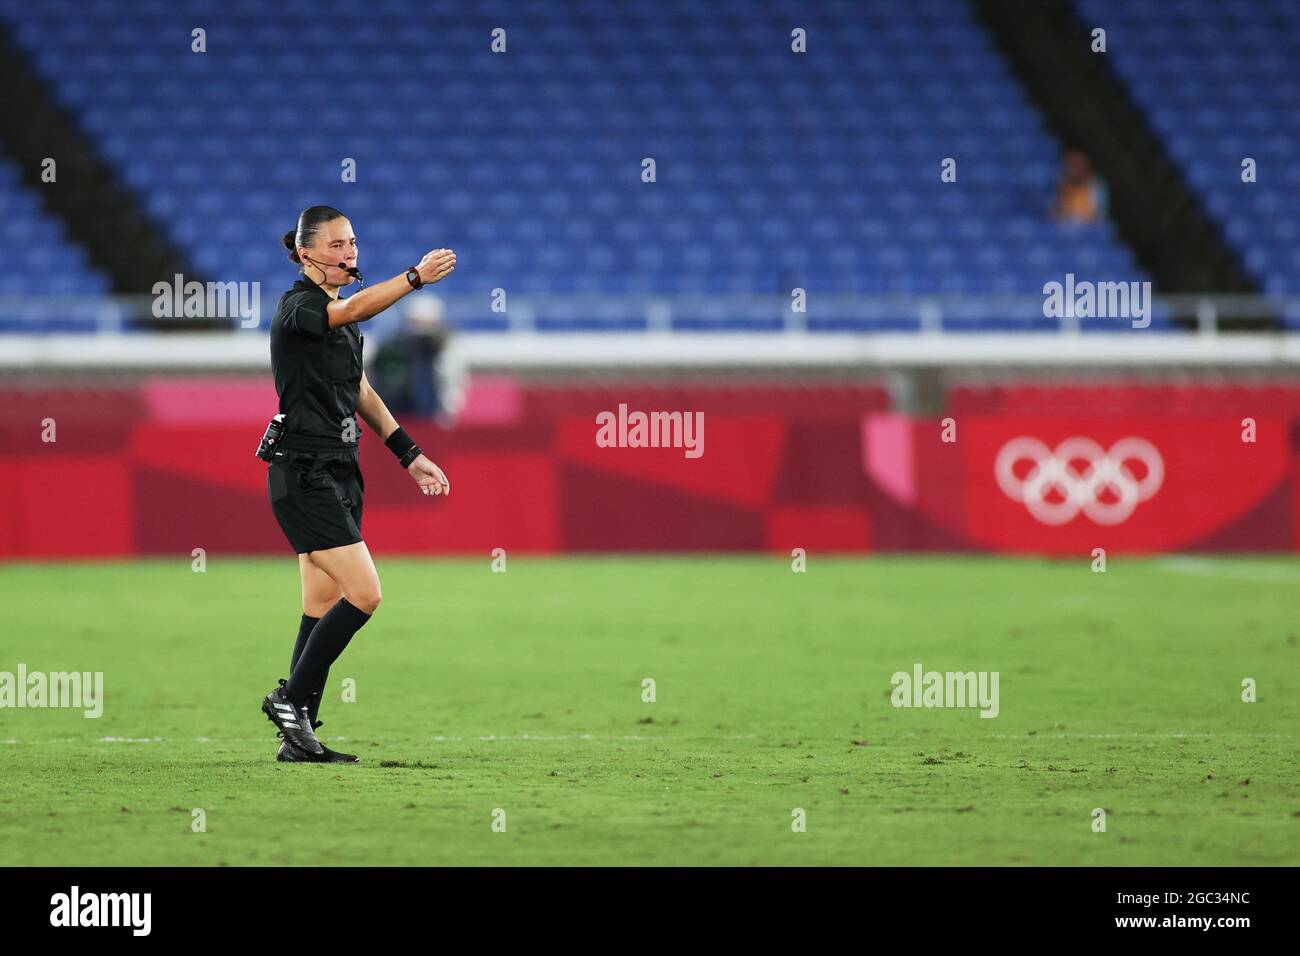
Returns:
(413, 277)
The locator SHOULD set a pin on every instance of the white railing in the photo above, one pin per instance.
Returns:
(537, 331)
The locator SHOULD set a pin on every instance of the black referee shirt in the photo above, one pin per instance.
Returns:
(317, 371)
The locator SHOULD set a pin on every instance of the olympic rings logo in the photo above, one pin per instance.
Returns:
(1079, 471)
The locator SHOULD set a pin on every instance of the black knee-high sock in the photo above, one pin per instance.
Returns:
(324, 645)
(304, 631)
(313, 702)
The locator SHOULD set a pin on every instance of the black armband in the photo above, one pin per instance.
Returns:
(403, 446)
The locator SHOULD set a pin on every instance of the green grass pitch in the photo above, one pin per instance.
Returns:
(523, 691)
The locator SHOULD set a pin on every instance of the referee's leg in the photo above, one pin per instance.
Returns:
(319, 591)
(350, 567)
(319, 594)
(353, 570)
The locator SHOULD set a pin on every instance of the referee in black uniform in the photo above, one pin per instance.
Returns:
(314, 476)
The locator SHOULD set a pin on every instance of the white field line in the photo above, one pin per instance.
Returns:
(1153, 736)
(437, 738)
(440, 738)
(1208, 568)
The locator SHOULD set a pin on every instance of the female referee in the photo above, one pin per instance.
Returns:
(314, 476)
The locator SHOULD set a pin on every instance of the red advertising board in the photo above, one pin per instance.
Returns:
(777, 469)
(1068, 484)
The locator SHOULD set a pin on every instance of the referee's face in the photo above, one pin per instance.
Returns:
(335, 242)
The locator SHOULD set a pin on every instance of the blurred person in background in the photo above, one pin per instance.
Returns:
(417, 369)
(1080, 196)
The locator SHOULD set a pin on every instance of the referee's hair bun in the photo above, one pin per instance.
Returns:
(289, 244)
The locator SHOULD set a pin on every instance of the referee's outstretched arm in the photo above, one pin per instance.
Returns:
(368, 303)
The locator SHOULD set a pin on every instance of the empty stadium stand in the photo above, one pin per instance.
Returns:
(49, 273)
(1219, 83)
(774, 169)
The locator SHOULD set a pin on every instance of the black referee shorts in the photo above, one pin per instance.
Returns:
(317, 496)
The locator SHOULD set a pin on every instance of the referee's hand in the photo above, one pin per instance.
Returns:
(429, 477)
(436, 265)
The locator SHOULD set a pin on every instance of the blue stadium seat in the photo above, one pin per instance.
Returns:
(48, 284)
(774, 169)
(1217, 103)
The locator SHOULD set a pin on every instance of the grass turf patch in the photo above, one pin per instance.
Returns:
(522, 692)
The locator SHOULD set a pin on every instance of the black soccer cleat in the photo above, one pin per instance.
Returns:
(298, 731)
(334, 756)
(288, 753)
(331, 756)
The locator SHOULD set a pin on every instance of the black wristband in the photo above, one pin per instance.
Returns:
(401, 444)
